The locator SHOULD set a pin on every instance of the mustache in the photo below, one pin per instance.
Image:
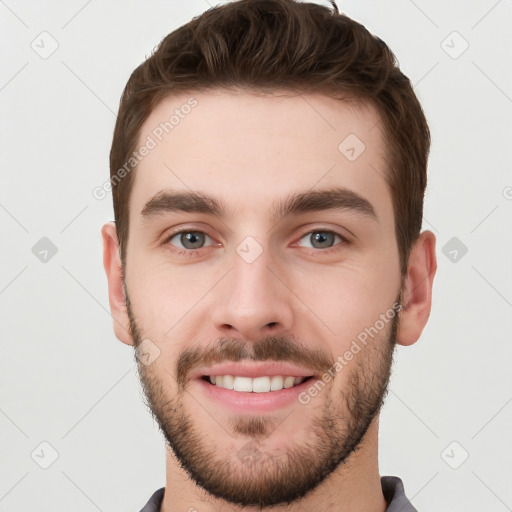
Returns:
(270, 348)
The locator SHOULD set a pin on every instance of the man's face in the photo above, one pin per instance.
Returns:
(246, 279)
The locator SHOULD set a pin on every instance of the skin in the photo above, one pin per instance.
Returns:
(250, 151)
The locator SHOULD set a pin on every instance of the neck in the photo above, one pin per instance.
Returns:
(354, 487)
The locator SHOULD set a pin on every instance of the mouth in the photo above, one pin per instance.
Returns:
(252, 387)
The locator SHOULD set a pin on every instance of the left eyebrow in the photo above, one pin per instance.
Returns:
(336, 198)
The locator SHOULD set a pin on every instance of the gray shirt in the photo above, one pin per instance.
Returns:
(392, 489)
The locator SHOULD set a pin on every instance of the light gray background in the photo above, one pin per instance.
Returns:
(67, 381)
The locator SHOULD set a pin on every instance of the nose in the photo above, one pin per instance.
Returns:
(253, 302)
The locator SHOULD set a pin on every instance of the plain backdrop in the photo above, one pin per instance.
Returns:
(69, 394)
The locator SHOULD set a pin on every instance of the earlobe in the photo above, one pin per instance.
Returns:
(116, 292)
(417, 289)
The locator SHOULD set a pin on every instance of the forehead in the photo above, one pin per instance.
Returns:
(239, 145)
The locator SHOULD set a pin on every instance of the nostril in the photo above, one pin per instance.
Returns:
(271, 324)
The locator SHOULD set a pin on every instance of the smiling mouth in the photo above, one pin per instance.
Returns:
(264, 384)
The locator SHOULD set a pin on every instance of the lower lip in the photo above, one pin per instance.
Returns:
(240, 401)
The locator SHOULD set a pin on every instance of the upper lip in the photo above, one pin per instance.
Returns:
(253, 370)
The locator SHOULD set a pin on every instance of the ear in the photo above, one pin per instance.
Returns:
(112, 264)
(417, 289)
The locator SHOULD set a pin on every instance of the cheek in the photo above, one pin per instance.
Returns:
(346, 300)
(163, 294)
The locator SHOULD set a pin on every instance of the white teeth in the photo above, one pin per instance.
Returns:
(261, 384)
(242, 384)
(289, 382)
(227, 381)
(276, 383)
(256, 385)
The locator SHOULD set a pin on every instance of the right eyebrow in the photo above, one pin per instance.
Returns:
(167, 201)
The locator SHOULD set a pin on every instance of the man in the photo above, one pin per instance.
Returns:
(268, 169)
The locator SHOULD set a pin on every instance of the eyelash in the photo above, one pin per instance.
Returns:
(179, 251)
(194, 252)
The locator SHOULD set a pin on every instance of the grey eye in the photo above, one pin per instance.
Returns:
(321, 239)
(190, 239)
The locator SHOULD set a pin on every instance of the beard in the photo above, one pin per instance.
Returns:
(250, 476)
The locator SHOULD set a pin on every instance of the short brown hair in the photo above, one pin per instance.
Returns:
(268, 45)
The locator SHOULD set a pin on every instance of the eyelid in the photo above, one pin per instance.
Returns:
(184, 227)
(324, 229)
